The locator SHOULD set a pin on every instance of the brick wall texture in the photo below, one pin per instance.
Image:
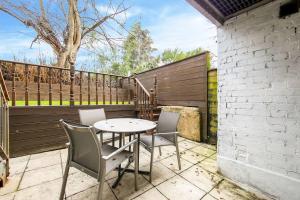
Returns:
(259, 95)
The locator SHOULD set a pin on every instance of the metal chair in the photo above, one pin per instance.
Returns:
(89, 117)
(166, 135)
(87, 154)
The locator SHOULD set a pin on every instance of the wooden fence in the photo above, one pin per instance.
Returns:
(183, 83)
(31, 84)
(35, 129)
(212, 106)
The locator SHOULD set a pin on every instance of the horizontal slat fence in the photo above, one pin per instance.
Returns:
(183, 83)
(31, 84)
(35, 129)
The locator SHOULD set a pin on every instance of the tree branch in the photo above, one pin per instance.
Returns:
(34, 40)
(101, 21)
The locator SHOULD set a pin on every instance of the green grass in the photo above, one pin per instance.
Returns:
(65, 103)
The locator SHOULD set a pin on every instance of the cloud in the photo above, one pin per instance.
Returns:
(185, 31)
(133, 12)
(17, 45)
(129, 13)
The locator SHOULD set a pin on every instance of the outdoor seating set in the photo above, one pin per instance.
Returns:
(92, 146)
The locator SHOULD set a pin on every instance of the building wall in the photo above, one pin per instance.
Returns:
(259, 101)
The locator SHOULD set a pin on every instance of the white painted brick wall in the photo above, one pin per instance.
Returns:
(259, 95)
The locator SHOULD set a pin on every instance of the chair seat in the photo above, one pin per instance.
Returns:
(158, 141)
(116, 160)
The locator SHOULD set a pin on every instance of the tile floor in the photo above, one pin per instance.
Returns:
(39, 177)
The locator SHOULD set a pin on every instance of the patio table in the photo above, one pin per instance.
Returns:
(129, 126)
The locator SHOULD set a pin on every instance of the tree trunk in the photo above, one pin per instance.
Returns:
(62, 60)
(67, 57)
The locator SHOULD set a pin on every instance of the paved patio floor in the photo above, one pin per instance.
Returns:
(39, 177)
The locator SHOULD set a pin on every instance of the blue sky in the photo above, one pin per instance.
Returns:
(172, 24)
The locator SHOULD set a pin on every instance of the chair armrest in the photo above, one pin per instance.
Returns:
(119, 150)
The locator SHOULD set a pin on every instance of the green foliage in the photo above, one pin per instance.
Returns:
(208, 61)
(110, 61)
(136, 54)
(138, 50)
(173, 55)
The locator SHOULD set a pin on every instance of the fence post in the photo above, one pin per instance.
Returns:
(110, 94)
(50, 85)
(60, 87)
(152, 96)
(72, 77)
(135, 92)
(14, 85)
(129, 89)
(80, 88)
(89, 88)
(39, 86)
(97, 83)
(26, 84)
(117, 85)
(155, 92)
(103, 89)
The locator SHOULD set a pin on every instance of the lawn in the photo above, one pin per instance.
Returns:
(64, 103)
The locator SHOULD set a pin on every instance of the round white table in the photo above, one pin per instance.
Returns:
(131, 126)
(125, 125)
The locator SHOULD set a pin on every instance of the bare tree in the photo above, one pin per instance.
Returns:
(66, 25)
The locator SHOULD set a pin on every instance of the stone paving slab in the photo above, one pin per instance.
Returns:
(40, 162)
(192, 157)
(152, 194)
(160, 173)
(18, 165)
(39, 177)
(209, 165)
(202, 178)
(91, 193)
(10, 196)
(125, 189)
(46, 191)
(178, 188)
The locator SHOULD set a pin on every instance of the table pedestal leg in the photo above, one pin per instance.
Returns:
(121, 170)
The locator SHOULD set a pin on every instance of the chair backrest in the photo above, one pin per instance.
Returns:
(85, 148)
(167, 122)
(90, 116)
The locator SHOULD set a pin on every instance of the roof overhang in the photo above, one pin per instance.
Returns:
(218, 11)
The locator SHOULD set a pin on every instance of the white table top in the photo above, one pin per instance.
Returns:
(125, 125)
